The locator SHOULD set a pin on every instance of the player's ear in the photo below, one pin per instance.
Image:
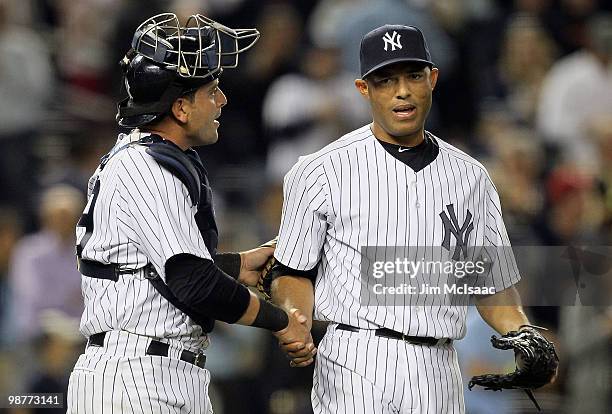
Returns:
(433, 77)
(181, 109)
(362, 87)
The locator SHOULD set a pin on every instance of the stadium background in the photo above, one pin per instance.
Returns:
(523, 87)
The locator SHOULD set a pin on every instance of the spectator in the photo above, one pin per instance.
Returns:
(565, 220)
(600, 129)
(43, 272)
(84, 31)
(10, 231)
(527, 54)
(85, 144)
(303, 112)
(242, 132)
(587, 332)
(515, 166)
(26, 84)
(571, 26)
(243, 144)
(25, 76)
(577, 89)
(567, 195)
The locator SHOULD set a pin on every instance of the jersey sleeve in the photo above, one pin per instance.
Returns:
(503, 271)
(304, 220)
(162, 218)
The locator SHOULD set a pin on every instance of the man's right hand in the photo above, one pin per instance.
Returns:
(296, 340)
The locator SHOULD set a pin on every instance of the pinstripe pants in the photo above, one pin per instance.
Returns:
(358, 372)
(120, 378)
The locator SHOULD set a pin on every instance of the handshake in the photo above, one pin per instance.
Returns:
(295, 339)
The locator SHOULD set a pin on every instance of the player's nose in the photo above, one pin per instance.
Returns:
(221, 99)
(403, 89)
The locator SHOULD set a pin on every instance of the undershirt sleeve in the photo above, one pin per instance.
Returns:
(202, 286)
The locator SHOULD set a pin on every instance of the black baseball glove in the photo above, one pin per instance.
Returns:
(536, 358)
(264, 283)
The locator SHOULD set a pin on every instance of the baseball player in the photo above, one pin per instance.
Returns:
(152, 280)
(389, 183)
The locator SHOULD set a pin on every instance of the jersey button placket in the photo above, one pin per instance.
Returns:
(412, 191)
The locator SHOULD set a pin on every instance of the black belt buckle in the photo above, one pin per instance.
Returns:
(162, 349)
(196, 358)
(200, 359)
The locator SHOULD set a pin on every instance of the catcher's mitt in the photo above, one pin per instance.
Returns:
(538, 362)
(265, 282)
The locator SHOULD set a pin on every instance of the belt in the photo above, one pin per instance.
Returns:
(157, 348)
(388, 333)
(100, 270)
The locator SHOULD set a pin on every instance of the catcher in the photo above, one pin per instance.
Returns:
(153, 281)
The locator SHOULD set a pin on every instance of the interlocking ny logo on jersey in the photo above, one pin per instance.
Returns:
(392, 40)
(462, 234)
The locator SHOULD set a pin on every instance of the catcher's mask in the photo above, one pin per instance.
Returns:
(167, 61)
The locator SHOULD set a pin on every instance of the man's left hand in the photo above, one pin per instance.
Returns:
(251, 264)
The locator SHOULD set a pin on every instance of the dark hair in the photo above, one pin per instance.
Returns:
(190, 94)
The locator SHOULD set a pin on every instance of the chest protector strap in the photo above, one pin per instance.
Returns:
(181, 165)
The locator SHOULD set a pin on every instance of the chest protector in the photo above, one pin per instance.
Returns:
(187, 167)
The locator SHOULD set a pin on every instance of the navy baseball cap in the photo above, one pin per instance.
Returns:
(391, 44)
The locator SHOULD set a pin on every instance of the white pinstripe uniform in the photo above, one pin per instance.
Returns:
(351, 194)
(142, 214)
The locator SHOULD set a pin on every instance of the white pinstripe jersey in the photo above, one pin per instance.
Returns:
(142, 214)
(353, 193)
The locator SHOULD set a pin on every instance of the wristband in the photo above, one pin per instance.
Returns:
(270, 317)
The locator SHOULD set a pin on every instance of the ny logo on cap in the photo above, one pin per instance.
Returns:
(392, 40)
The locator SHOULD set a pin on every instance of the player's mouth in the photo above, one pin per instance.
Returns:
(404, 111)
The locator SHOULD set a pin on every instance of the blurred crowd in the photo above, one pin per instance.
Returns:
(525, 86)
